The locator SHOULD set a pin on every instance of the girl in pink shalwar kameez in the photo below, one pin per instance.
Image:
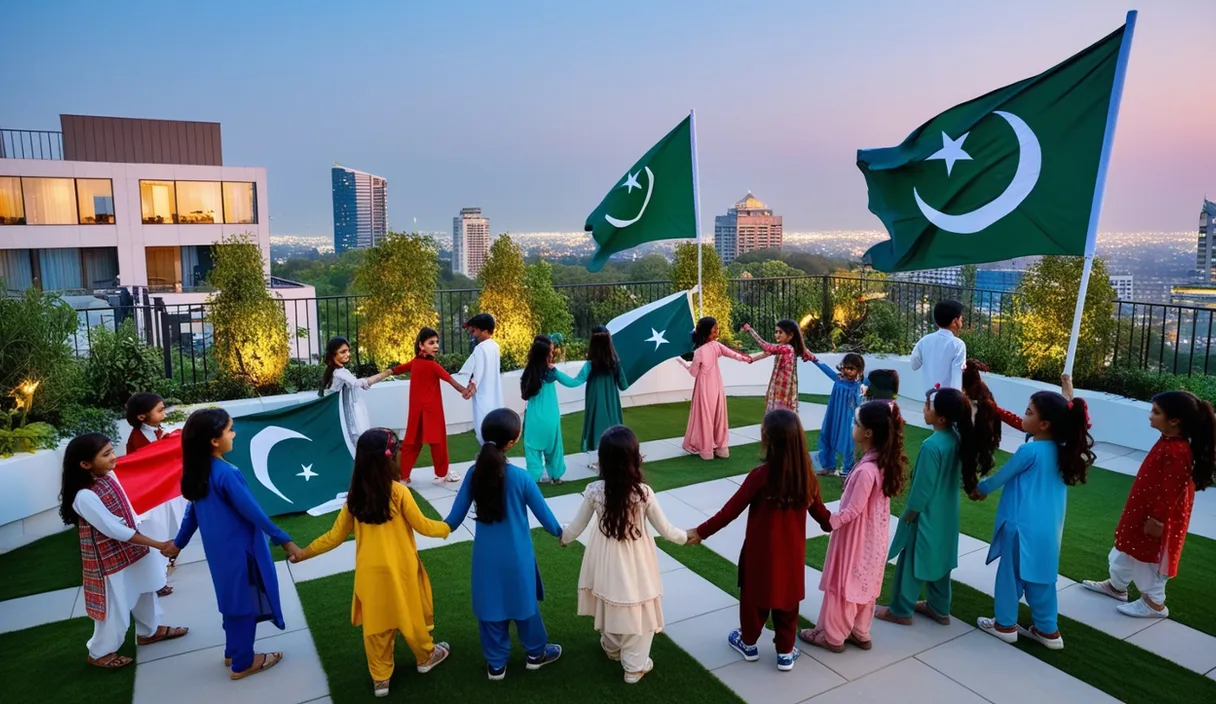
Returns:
(857, 550)
(708, 430)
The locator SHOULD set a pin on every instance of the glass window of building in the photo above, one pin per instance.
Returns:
(60, 269)
(12, 210)
(17, 270)
(100, 267)
(199, 202)
(95, 201)
(49, 201)
(157, 202)
(240, 203)
(164, 268)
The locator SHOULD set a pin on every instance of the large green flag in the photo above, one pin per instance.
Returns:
(1008, 174)
(654, 200)
(296, 458)
(653, 333)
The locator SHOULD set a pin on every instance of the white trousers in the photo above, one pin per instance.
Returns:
(1125, 570)
(633, 648)
(109, 635)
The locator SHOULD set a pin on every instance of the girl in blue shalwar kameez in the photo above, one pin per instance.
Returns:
(836, 433)
(234, 531)
(506, 580)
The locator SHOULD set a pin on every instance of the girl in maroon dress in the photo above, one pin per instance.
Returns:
(777, 495)
(425, 424)
(1152, 529)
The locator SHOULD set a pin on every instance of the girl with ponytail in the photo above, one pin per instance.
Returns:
(926, 540)
(506, 580)
(1153, 527)
(857, 550)
(1030, 516)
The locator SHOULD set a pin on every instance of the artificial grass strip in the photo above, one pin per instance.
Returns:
(1122, 670)
(45, 565)
(582, 674)
(821, 399)
(48, 663)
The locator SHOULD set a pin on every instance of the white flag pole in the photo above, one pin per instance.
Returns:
(696, 207)
(1095, 211)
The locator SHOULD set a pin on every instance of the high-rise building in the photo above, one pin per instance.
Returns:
(1204, 270)
(470, 242)
(945, 276)
(1123, 286)
(747, 227)
(360, 209)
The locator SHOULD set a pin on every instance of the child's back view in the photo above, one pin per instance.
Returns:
(941, 355)
(619, 581)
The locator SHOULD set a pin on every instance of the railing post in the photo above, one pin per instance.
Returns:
(159, 310)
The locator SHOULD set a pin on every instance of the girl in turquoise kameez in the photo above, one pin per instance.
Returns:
(605, 381)
(543, 451)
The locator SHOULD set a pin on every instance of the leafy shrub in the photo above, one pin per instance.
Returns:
(120, 364)
(1143, 384)
(24, 438)
(506, 296)
(550, 308)
(78, 420)
(224, 388)
(1002, 354)
(34, 332)
(248, 323)
(399, 277)
(451, 361)
(881, 332)
(302, 377)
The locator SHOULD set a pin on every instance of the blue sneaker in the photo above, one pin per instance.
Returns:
(785, 662)
(750, 653)
(496, 673)
(551, 654)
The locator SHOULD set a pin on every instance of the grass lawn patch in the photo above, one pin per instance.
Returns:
(44, 565)
(582, 674)
(48, 663)
(821, 399)
(1116, 667)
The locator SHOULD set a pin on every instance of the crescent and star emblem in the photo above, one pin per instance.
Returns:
(1030, 164)
(259, 454)
(631, 182)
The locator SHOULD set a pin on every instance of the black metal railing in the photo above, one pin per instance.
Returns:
(845, 313)
(31, 144)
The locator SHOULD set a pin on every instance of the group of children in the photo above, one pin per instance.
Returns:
(619, 584)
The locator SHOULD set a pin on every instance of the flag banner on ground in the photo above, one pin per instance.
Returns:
(653, 201)
(1008, 174)
(294, 459)
(653, 333)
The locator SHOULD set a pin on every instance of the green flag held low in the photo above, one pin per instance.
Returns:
(653, 333)
(1009, 174)
(653, 201)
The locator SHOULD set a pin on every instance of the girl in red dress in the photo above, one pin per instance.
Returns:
(1152, 529)
(772, 564)
(425, 424)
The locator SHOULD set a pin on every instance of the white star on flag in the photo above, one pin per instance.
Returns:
(307, 473)
(657, 338)
(951, 151)
(631, 182)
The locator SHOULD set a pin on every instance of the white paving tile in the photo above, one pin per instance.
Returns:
(1098, 611)
(746, 434)
(969, 661)
(687, 594)
(892, 643)
(1184, 645)
(1122, 465)
(707, 497)
(909, 682)
(659, 450)
(37, 609)
(761, 683)
(340, 559)
(704, 637)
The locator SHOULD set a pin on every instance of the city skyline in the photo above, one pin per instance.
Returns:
(835, 79)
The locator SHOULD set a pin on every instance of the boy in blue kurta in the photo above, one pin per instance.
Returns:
(836, 433)
(506, 580)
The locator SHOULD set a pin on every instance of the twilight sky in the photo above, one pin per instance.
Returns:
(533, 109)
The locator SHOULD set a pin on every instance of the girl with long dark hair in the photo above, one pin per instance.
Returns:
(506, 580)
(425, 423)
(120, 575)
(1155, 519)
(1030, 516)
(543, 449)
(857, 551)
(619, 581)
(708, 432)
(777, 496)
(605, 379)
(392, 590)
(234, 529)
(338, 377)
(926, 541)
(783, 385)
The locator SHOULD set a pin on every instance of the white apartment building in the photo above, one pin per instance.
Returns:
(470, 242)
(1124, 288)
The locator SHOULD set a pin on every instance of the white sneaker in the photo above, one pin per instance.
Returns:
(450, 478)
(988, 625)
(1139, 609)
(635, 677)
(1105, 587)
(1056, 643)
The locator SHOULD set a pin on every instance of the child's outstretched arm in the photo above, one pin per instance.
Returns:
(566, 380)
(823, 367)
(334, 537)
(863, 486)
(585, 511)
(925, 481)
(186, 531)
(734, 506)
(658, 519)
(1021, 461)
(821, 514)
(540, 509)
(463, 502)
(766, 349)
(418, 521)
(732, 353)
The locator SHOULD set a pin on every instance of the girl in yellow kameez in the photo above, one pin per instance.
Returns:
(392, 590)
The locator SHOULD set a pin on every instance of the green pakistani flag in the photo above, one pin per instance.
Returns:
(296, 458)
(654, 333)
(1009, 174)
(653, 201)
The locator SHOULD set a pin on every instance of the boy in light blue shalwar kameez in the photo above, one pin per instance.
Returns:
(836, 433)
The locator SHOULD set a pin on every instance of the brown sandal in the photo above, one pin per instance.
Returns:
(163, 633)
(164, 591)
(883, 613)
(922, 608)
(857, 642)
(269, 660)
(815, 637)
(113, 661)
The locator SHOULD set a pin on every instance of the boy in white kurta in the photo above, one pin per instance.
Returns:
(483, 368)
